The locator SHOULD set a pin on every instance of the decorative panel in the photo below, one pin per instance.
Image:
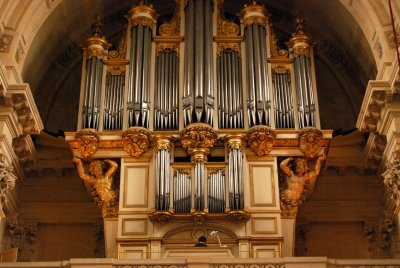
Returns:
(262, 186)
(134, 226)
(136, 184)
(265, 225)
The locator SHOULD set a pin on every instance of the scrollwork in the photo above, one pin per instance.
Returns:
(135, 141)
(261, 139)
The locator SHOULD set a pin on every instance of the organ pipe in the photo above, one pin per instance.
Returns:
(95, 51)
(198, 97)
(284, 115)
(258, 89)
(235, 172)
(113, 101)
(182, 191)
(301, 49)
(141, 20)
(216, 191)
(163, 166)
(166, 91)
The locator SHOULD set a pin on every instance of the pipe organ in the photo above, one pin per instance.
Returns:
(209, 168)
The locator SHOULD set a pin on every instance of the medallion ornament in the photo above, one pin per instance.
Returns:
(87, 141)
(261, 139)
(310, 142)
(135, 141)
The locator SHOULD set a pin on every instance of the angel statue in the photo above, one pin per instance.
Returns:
(102, 181)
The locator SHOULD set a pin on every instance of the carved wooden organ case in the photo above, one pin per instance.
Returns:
(198, 111)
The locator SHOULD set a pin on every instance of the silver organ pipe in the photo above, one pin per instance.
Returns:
(138, 101)
(198, 98)
(216, 191)
(230, 103)
(162, 179)
(304, 91)
(182, 191)
(301, 50)
(113, 101)
(258, 91)
(166, 91)
(235, 173)
(95, 49)
(199, 178)
(284, 117)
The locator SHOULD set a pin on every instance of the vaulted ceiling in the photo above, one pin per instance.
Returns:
(344, 60)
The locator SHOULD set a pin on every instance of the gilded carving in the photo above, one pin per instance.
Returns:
(238, 216)
(160, 216)
(162, 142)
(248, 21)
(87, 142)
(135, 141)
(310, 142)
(261, 139)
(145, 21)
(100, 181)
(224, 26)
(199, 218)
(298, 183)
(161, 47)
(276, 51)
(198, 138)
(299, 37)
(221, 46)
(172, 27)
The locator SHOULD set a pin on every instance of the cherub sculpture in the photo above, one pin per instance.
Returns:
(296, 177)
(102, 181)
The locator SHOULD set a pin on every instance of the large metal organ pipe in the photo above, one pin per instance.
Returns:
(166, 99)
(284, 113)
(305, 92)
(141, 19)
(258, 89)
(95, 51)
(235, 172)
(198, 94)
(163, 171)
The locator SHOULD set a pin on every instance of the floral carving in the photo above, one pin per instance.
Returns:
(198, 137)
(87, 141)
(261, 139)
(310, 142)
(135, 141)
